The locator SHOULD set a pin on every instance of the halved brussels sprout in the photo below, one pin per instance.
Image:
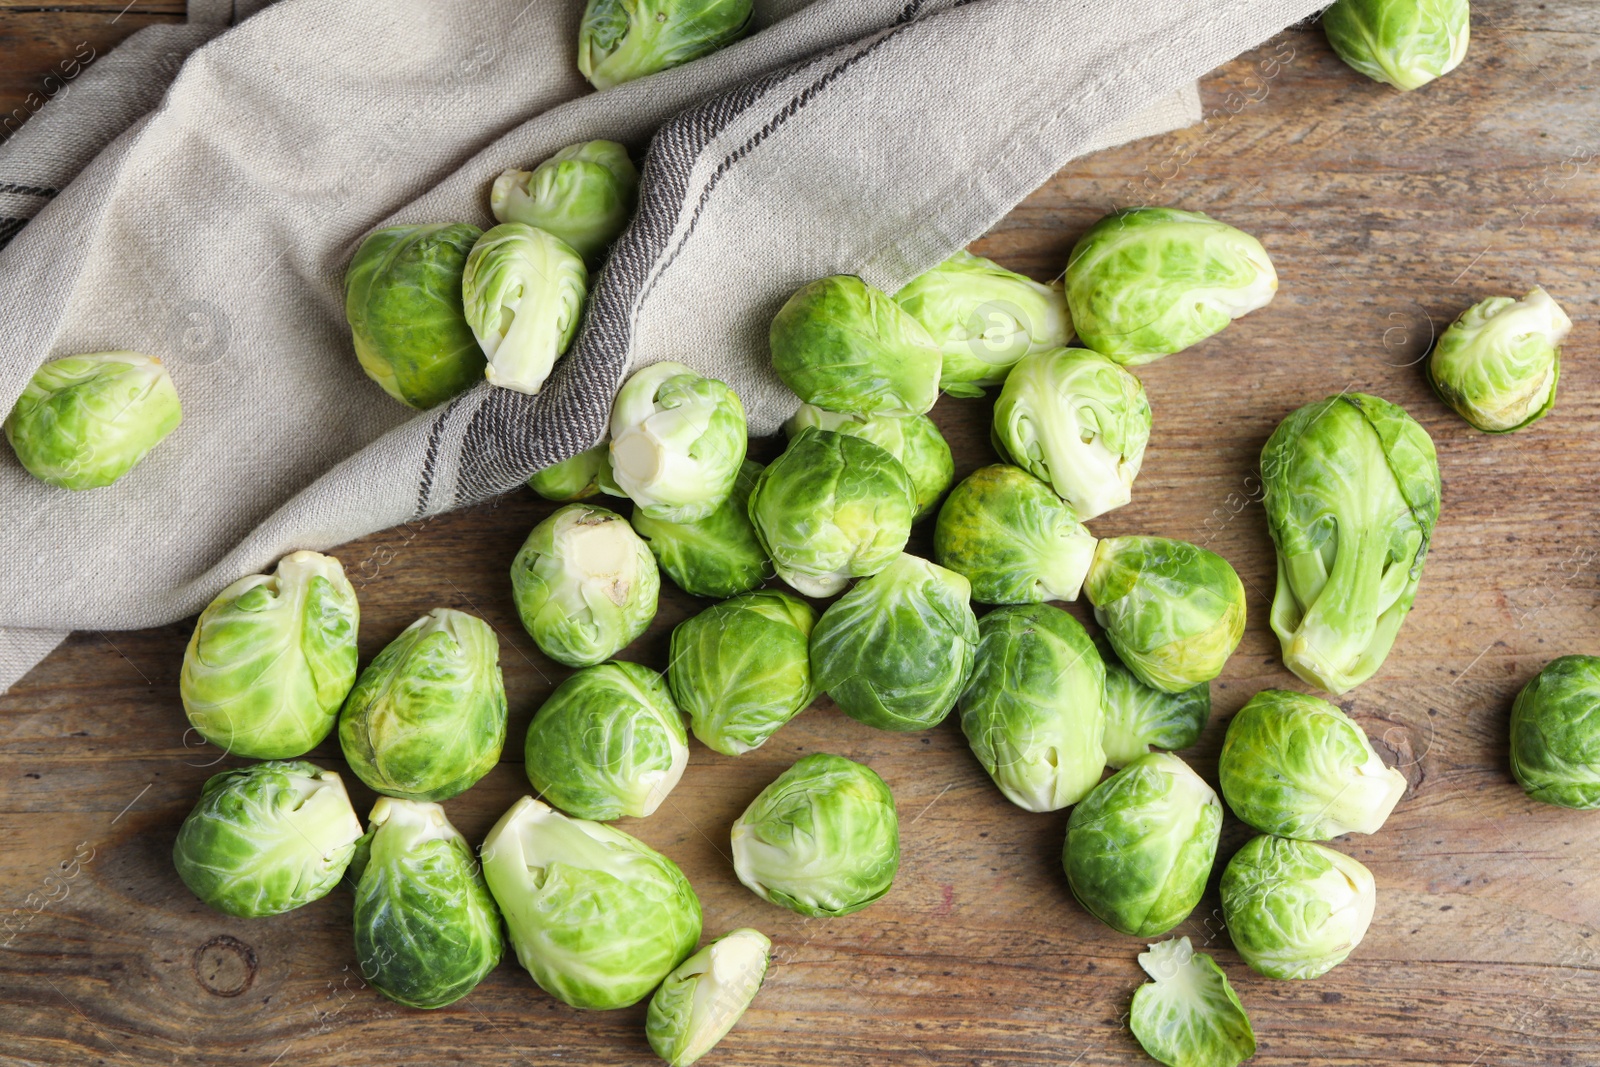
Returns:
(1555, 733)
(706, 996)
(573, 479)
(524, 291)
(1404, 43)
(1016, 541)
(1498, 363)
(620, 40)
(1139, 717)
(1295, 909)
(914, 440)
(677, 441)
(1189, 1016)
(584, 195)
(717, 556)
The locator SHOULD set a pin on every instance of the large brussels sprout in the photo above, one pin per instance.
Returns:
(1352, 496)
(842, 345)
(1146, 282)
(573, 479)
(427, 718)
(84, 421)
(585, 585)
(1189, 1016)
(1404, 43)
(708, 993)
(620, 40)
(1139, 717)
(742, 669)
(584, 194)
(831, 508)
(1555, 733)
(523, 290)
(717, 556)
(896, 651)
(914, 440)
(1295, 909)
(597, 917)
(677, 441)
(822, 839)
(1498, 363)
(272, 658)
(267, 838)
(427, 930)
(1140, 846)
(1016, 541)
(402, 297)
(1032, 712)
(1296, 766)
(1076, 420)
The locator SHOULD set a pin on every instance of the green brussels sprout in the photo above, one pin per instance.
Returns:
(272, 658)
(842, 345)
(1032, 712)
(267, 838)
(1296, 766)
(1403, 43)
(984, 318)
(677, 441)
(897, 650)
(573, 479)
(608, 742)
(1146, 282)
(1189, 1016)
(1555, 733)
(427, 718)
(1173, 611)
(742, 669)
(402, 297)
(1016, 541)
(584, 195)
(1139, 717)
(427, 930)
(1498, 363)
(597, 917)
(823, 839)
(585, 585)
(706, 996)
(831, 508)
(1351, 490)
(1140, 846)
(1075, 420)
(717, 556)
(523, 290)
(620, 40)
(84, 421)
(1295, 909)
(914, 440)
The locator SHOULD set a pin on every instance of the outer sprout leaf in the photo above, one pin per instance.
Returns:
(1189, 1016)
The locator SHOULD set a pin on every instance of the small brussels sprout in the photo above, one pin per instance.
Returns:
(842, 345)
(524, 291)
(585, 585)
(1403, 43)
(914, 440)
(1189, 1016)
(427, 930)
(598, 918)
(1146, 282)
(823, 839)
(609, 742)
(677, 441)
(1295, 909)
(706, 996)
(1075, 420)
(1498, 363)
(1139, 717)
(1555, 733)
(402, 297)
(84, 421)
(267, 838)
(573, 479)
(831, 508)
(1032, 712)
(1296, 766)
(1140, 846)
(1016, 541)
(620, 40)
(1351, 490)
(742, 669)
(584, 195)
(717, 556)
(272, 658)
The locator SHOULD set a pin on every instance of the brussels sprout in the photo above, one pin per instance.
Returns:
(1140, 846)
(1295, 909)
(823, 839)
(706, 996)
(585, 585)
(573, 479)
(741, 669)
(1016, 541)
(1032, 713)
(1076, 420)
(1404, 43)
(597, 917)
(718, 556)
(524, 291)
(84, 421)
(402, 297)
(1189, 1016)
(620, 40)
(1139, 717)
(427, 930)
(272, 658)
(1297, 766)
(1498, 363)
(677, 441)
(1146, 282)
(914, 440)
(267, 838)
(832, 508)
(1555, 733)
(896, 651)
(584, 195)
(1352, 496)
(842, 345)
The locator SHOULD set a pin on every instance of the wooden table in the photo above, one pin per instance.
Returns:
(1386, 214)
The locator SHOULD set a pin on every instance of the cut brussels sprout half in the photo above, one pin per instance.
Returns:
(914, 440)
(1295, 909)
(1555, 733)
(584, 195)
(620, 40)
(1403, 43)
(523, 290)
(573, 479)
(1139, 718)
(1188, 1015)
(706, 996)
(677, 441)
(717, 556)
(1497, 364)
(1009, 535)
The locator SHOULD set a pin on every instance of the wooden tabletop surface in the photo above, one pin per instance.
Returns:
(1386, 214)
